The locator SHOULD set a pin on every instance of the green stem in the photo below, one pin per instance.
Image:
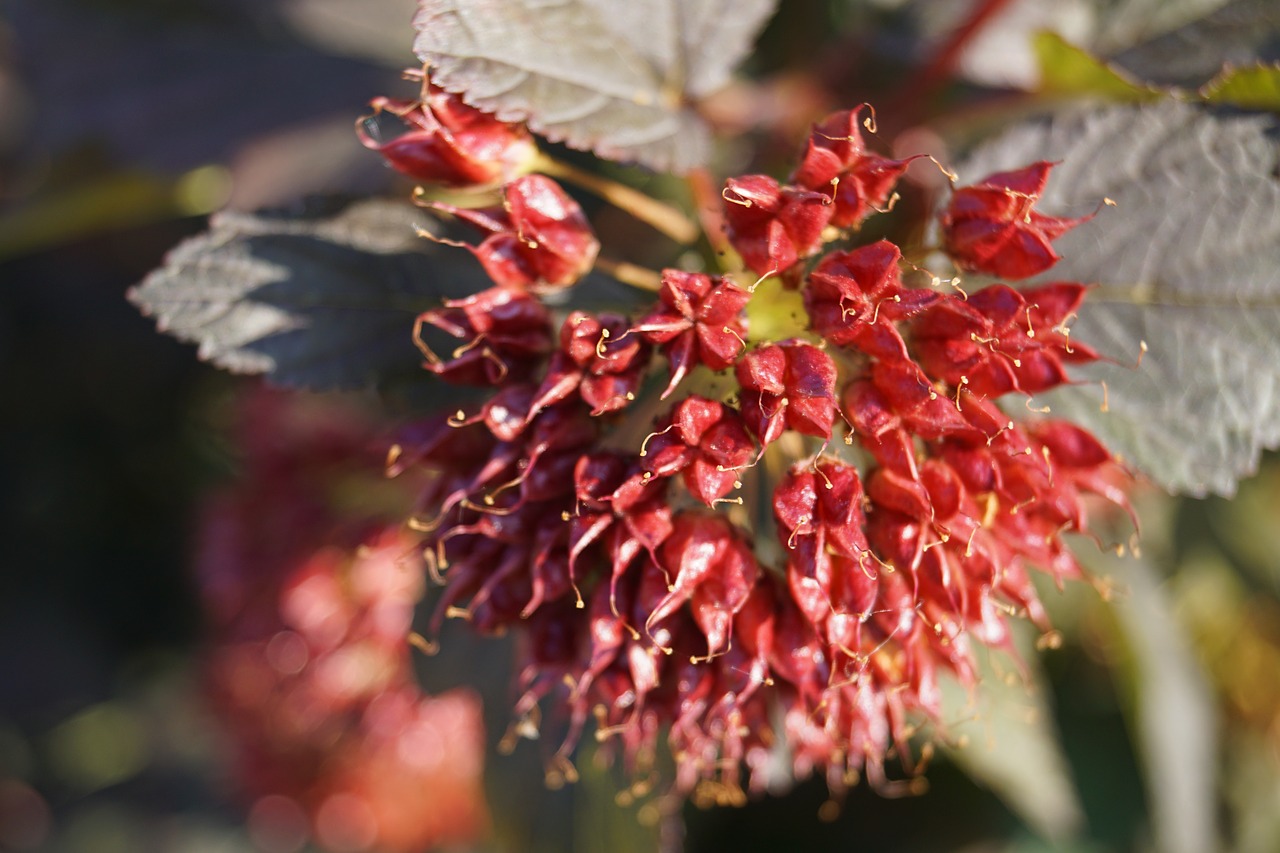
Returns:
(660, 215)
(632, 274)
(707, 201)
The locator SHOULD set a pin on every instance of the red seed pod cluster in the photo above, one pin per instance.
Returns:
(837, 185)
(991, 227)
(307, 666)
(783, 559)
(503, 334)
(836, 160)
(698, 321)
(538, 238)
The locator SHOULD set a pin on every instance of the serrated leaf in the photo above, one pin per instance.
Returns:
(324, 299)
(618, 77)
(1188, 262)
(1066, 69)
(1255, 88)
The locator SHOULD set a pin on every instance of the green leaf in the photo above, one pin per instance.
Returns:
(1188, 261)
(1012, 745)
(619, 78)
(1239, 33)
(1119, 24)
(1254, 88)
(1069, 70)
(1175, 719)
(322, 299)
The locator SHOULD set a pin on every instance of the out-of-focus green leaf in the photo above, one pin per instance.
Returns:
(1253, 792)
(116, 200)
(1012, 745)
(1247, 530)
(1069, 70)
(607, 818)
(1175, 722)
(1233, 628)
(1255, 88)
(1187, 263)
(100, 746)
(1239, 33)
(1123, 23)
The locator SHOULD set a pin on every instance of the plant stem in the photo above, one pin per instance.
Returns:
(928, 78)
(660, 215)
(632, 274)
(707, 202)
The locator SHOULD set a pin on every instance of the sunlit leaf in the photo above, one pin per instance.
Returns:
(1188, 261)
(322, 299)
(1256, 88)
(1066, 69)
(618, 77)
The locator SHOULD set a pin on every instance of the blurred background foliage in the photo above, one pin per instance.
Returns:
(123, 123)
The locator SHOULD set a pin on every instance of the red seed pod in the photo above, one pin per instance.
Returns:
(448, 142)
(698, 321)
(922, 408)
(822, 503)
(773, 226)
(990, 227)
(539, 240)
(713, 569)
(704, 441)
(851, 295)
(505, 336)
(599, 360)
(618, 508)
(1003, 340)
(836, 161)
(878, 427)
(791, 385)
(1069, 445)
